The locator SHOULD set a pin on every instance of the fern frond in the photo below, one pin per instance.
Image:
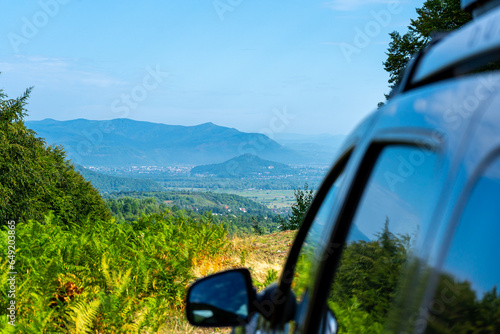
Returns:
(84, 315)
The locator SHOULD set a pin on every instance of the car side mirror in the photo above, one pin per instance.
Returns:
(220, 300)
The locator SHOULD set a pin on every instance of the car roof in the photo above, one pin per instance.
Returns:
(440, 96)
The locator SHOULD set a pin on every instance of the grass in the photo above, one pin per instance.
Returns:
(260, 254)
(257, 253)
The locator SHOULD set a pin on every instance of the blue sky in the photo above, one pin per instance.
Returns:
(298, 66)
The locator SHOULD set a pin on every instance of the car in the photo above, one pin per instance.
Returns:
(403, 234)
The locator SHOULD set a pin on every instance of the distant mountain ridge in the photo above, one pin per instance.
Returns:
(247, 165)
(125, 142)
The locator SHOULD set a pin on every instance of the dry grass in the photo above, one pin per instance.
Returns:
(258, 253)
(262, 253)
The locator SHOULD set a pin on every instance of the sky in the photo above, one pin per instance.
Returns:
(296, 66)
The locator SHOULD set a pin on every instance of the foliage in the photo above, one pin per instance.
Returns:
(366, 281)
(106, 276)
(257, 228)
(303, 200)
(131, 209)
(203, 202)
(109, 184)
(464, 310)
(434, 16)
(239, 214)
(369, 272)
(36, 178)
(365, 295)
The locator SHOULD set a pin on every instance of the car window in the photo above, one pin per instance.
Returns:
(466, 299)
(305, 260)
(391, 219)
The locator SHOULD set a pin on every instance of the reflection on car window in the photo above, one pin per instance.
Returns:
(466, 298)
(312, 242)
(392, 216)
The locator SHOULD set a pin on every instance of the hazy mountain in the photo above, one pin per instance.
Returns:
(319, 148)
(247, 165)
(125, 142)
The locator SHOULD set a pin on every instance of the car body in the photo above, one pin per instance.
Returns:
(402, 236)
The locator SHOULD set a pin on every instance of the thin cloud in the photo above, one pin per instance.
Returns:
(343, 43)
(350, 5)
(56, 70)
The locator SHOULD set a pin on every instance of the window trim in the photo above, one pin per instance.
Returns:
(343, 220)
(287, 275)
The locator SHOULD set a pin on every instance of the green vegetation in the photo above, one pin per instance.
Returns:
(236, 213)
(209, 183)
(109, 184)
(366, 290)
(303, 200)
(203, 201)
(276, 200)
(246, 165)
(467, 311)
(35, 178)
(435, 16)
(366, 281)
(105, 276)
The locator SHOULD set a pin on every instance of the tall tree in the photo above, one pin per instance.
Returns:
(303, 200)
(435, 16)
(36, 178)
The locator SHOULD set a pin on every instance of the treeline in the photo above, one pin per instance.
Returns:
(109, 184)
(208, 183)
(214, 183)
(258, 219)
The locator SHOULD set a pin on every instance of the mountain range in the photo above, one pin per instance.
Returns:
(125, 142)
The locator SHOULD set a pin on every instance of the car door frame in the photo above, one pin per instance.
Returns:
(362, 164)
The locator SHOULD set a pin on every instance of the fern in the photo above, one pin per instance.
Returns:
(84, 315)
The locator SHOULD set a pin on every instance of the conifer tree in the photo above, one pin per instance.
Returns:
(36, 178)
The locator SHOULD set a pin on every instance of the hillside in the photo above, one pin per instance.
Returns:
(197, 201)
(106, 184)
(247, 165)
(125, 142)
